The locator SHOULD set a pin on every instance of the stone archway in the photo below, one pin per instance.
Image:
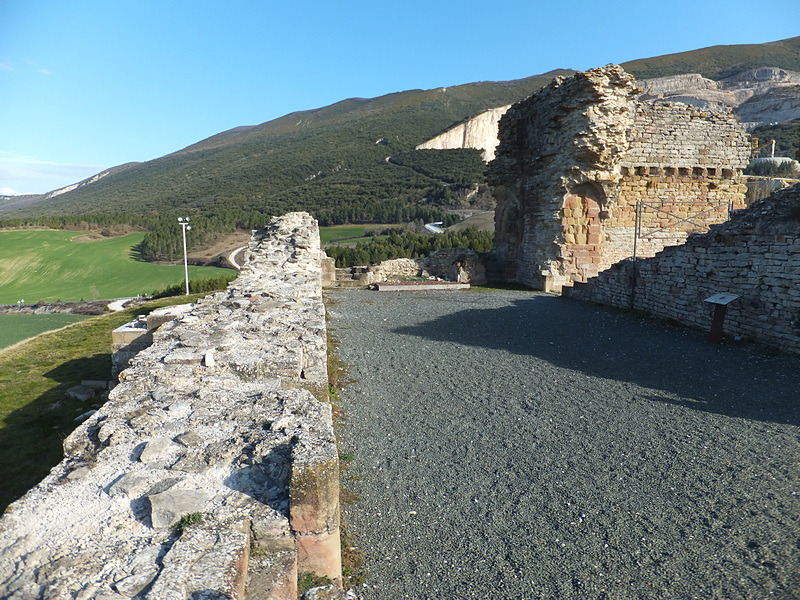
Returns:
(583, 231)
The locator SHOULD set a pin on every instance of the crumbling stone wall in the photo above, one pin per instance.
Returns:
(223, 416)
(755, 255)
(460, 265)
(575, 160)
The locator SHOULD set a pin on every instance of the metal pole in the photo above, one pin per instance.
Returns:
(184, 225)
(637, 224)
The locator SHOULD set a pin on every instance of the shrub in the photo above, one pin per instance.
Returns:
(196, 286)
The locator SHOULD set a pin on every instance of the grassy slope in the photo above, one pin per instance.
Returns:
(47, 265)
(276, 166)
(15, 328)
(718, 62)
(335, 233)
(35, 413)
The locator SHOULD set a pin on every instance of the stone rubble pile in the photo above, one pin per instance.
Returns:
(448, 264)
(212, 470)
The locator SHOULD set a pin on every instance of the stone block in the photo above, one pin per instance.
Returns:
(81, 392)
(321, 554)
(207, 561)
(314, 497)
(167, 508)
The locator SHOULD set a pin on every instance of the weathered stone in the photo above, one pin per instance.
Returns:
(159, 450)
(130, 484)
(176, 438)
(166, 508)
(183, 356)
(580, 159)
(79, 472)
(81, 392)
(190, 439)
(133, 584)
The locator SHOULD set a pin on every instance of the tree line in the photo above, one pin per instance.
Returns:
(409, 245)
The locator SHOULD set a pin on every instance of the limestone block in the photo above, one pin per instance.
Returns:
(207, 561)
(166, 508)
(80, 392)
(159, 451)
(183, 356)
(130, 484)
(321, 554)
(272, 570)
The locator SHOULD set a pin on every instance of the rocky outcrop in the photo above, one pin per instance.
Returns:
(765, 95)
(479, 132)
(212, 470)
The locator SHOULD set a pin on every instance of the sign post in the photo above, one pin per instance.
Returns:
(720, 302)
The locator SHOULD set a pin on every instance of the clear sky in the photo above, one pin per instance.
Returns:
(89, 84)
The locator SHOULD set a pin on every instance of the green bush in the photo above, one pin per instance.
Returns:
(409, 245)
(772, 169)
(196, 286)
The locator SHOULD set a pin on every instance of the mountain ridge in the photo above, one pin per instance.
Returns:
(331, 158)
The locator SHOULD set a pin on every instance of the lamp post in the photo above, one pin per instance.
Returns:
(184, 223)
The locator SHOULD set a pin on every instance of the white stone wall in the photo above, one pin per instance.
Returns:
(218, 417)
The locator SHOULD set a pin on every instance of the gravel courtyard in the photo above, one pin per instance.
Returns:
(513, 445)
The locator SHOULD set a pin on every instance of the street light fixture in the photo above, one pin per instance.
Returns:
(184, 223)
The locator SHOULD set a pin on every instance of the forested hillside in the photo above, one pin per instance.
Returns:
(351, 162)
(719, 62)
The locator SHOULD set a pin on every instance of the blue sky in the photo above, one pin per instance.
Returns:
(89, 84)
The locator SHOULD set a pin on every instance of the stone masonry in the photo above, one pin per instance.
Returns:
(755, 255)
(580, 159)
(459, 265)
(222, 422)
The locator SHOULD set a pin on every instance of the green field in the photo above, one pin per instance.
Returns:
(337, 233)
(50, 266)
(15, 328)
(35, 412)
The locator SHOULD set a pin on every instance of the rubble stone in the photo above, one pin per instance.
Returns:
(180, 434)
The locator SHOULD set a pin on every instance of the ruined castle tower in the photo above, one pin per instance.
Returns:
(580, 159)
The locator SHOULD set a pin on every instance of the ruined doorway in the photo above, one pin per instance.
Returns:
(581, 224)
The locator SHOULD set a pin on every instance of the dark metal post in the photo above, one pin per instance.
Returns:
(720, 302)
(636, 229)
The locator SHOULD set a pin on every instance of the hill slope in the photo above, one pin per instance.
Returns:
(719, 62)
(325, 159)
(333, 162)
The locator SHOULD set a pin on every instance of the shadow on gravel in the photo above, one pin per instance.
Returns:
(734, 379)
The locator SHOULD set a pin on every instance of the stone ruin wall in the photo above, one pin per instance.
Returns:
(755, 255)
(225, 415)
(576, 158)
(449, 264)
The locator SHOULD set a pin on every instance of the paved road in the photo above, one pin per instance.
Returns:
(518, 445)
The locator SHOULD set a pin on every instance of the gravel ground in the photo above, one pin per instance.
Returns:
(515, 445)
